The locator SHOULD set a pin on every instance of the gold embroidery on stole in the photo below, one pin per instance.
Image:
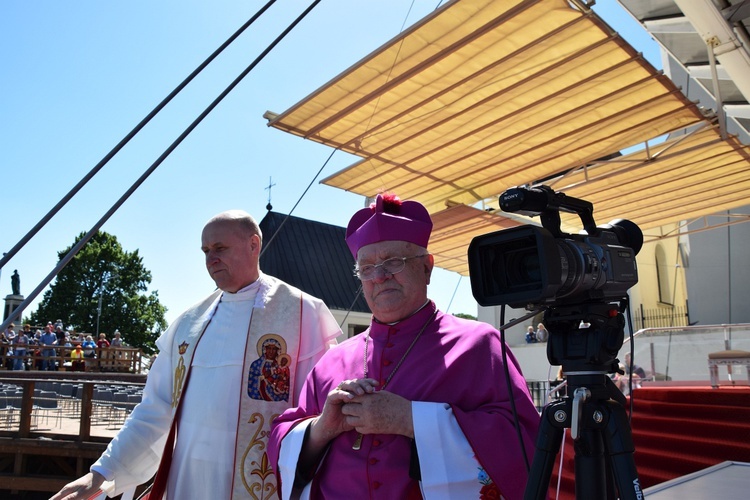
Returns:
(179, 375)
(259, 472)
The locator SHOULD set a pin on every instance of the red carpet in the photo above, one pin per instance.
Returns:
(678, 430)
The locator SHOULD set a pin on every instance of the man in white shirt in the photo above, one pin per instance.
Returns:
(221, 444)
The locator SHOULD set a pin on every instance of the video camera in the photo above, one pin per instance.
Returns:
(530, 266)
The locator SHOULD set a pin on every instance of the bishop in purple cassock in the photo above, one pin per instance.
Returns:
(417, 406)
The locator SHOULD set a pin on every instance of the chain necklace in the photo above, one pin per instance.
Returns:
(358, 443)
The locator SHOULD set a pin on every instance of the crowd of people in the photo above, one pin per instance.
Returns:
(51, 347)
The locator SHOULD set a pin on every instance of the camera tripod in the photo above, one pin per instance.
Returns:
(595, 413)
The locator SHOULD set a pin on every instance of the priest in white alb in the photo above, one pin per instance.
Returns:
(226, 368)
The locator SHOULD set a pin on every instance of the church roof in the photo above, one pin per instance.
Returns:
(312, 256)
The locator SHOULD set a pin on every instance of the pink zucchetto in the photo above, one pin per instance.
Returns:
(388, 219)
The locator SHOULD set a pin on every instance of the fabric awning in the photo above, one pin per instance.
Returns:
(683, 178)
(483, 95)
(455, 227)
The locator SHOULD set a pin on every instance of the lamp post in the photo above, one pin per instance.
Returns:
(98, 311)
(106, 278)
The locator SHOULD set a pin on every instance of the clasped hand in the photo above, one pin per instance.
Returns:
(356, 404)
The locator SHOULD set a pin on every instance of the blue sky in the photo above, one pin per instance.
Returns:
(78, 76)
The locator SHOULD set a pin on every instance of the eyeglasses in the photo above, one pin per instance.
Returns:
(390, 266)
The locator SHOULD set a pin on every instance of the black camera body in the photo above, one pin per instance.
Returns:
(530, 266)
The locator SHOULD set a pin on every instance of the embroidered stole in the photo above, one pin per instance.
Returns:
(271, 356)
(269, 371)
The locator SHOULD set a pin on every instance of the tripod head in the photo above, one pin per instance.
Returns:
(585, 339)
(585, 336)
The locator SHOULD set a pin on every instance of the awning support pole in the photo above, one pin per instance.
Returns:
(710, 44)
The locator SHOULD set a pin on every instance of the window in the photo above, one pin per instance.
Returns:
(662, 276)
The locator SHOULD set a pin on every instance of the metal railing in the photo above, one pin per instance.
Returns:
(543, 391)
(661, 317)
(681, 352)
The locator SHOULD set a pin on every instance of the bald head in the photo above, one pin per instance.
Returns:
(243, 221)
(231, 242)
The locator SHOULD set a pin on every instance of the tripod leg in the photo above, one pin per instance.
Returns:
(547, 445)
(619, 444)
(591, 476)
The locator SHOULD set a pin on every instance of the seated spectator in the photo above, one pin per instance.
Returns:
(638, 372)
(102, 343)
(153, 360)
(530, 335)
(5, 350)
(20, 345)
(622, 380)
(116, 340)
(89, 350)
(89, 347)
(8, 336)
(559, 379)
(60, 334)
(10, 333)
(38, 360)
(117, 343)
(541, 333)
(78, 364)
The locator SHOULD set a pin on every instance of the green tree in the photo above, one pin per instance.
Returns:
(102, 270)
(465, 316)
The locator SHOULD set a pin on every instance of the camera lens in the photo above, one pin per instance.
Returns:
(580, 268)
(570, 267)
(518, 267)
(524, 268)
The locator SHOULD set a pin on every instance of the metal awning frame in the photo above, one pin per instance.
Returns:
(483, 95)
(681, 228)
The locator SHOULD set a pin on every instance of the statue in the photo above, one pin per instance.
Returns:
(15, 282)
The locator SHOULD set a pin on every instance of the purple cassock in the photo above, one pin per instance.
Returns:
(457, 362)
